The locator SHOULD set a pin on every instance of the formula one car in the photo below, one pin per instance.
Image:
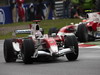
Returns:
(87, 30)
(38, 45)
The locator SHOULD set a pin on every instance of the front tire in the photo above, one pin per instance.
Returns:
(28, 50)
(82, 33)
(71, 42)
(9, 54)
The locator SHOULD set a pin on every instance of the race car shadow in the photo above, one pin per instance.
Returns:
(50, 61)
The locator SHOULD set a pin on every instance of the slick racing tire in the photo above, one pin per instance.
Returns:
(28, 50)
(9, 54)
(52, 30)
(82, 33)
(71, 42)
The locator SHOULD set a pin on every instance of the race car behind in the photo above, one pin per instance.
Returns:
(87, 30)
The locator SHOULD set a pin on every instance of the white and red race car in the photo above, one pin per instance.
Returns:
(87, 30)
(38, 45)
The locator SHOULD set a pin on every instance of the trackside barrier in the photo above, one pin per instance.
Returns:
(5, 15)
(59, 8)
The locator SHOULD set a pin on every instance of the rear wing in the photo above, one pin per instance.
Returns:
(25, 31)
(33, 28)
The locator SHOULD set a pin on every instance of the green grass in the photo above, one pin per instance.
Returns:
(45, 24)
(15, 24)
(97, 42)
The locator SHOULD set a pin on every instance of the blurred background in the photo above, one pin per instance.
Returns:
(43, 10)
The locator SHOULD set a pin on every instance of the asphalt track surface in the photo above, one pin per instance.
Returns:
(88, 63)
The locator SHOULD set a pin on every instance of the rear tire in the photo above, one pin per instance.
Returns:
(71, 42)
(82, 33)
(9, 54)
(28, 50)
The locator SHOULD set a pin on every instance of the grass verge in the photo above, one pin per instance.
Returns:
(7, 29)
(96, 42)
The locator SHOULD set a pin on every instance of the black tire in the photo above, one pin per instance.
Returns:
(53, 30)
(9, 54)
(28, 50)
(82, 33)
(71, 42)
